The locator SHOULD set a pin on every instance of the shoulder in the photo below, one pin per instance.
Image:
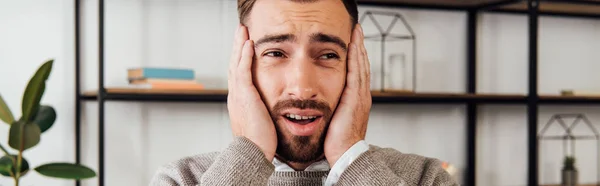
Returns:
(413, 168)
(184, 171)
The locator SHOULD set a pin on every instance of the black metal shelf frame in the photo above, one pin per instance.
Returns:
(532, 100)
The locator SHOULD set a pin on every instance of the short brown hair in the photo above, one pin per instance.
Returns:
(245, 6)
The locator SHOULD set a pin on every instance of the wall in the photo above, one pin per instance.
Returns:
(198, 34)
(30, 33)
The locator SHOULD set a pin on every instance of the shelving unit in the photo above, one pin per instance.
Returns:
(129, 94)
(531, 8)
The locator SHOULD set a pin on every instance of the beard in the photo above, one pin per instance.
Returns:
(300, 149)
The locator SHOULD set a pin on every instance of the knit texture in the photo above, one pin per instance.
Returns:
(243, 163)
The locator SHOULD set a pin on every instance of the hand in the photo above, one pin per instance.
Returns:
(349, 122)
(247, 112)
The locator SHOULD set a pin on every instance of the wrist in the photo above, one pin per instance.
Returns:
(264, 148)
(269, 156)
(334, 156)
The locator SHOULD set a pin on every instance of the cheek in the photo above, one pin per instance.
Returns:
(268, 82)
(332, 85)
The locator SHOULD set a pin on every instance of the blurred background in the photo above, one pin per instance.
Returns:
(424, 110)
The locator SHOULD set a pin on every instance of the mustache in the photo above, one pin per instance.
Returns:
(301, 104)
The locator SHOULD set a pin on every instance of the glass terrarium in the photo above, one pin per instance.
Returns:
(391, 45)
(569, 149)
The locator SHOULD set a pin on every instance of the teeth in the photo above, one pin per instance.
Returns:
(298, 117)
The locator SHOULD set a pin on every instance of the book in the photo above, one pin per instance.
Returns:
(167, 86)
(160, 73)
(163, 81)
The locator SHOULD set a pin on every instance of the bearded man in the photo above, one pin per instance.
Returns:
(299, 101)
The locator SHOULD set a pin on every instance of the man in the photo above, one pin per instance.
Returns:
(299, 101)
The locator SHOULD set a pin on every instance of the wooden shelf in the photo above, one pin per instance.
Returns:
(589, 7)
(462, 4)
(581, 8)
(559, 99)
(395, 97)
(130, 94)
(591, 184)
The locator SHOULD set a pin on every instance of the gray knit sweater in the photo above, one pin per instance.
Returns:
(243, 163)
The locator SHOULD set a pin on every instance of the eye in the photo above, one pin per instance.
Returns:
(329, 56)
(275, 54)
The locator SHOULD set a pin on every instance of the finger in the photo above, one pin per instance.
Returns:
(234, 56)
(241, 36)
(353, 67)
(365, 65)
(355, 53)
(244, 68)
(363, 49)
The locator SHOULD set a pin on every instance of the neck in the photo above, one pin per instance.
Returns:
(299, 166)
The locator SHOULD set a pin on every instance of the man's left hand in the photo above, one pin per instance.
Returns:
(349, 122)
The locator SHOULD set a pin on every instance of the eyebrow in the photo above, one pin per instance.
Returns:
(326, 38)
(316, 37)
(275, 39)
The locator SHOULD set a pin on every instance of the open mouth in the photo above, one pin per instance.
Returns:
(302, 120)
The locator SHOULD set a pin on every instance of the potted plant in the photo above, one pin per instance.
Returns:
(569, 172)
(25, 133)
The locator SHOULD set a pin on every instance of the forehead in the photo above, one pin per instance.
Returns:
(299, 18)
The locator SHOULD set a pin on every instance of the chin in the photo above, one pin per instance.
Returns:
(300, 148)
(301, 126)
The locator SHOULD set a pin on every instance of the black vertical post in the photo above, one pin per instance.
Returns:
(532, 98)
(471, 89)
(101, 93)
(77, 90)
(383, 37)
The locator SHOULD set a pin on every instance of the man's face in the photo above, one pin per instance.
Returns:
(300, 69)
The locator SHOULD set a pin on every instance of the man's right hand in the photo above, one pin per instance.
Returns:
(247, 112)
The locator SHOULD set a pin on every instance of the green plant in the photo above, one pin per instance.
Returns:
(569, 163)
(26, 132)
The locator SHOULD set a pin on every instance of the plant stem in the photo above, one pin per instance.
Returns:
(18, 170)
(13, 176)
(20, 157)
(4, 150)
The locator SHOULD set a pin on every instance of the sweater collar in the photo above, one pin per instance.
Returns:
(280, 166)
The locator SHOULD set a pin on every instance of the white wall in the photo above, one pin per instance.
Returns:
(30, 33)
(197, 34)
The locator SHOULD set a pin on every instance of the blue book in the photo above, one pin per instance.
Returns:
(160, 73)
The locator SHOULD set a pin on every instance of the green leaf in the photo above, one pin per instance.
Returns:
(23, 135)
(66, 171)
(6, 162)
(5, 113)
(45, 117)
(5, 168)
(34, 91)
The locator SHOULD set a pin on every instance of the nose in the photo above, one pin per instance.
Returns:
(302, 80)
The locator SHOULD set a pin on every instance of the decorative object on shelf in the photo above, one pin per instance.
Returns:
(569, 173)
(163, 79)
(570, 92)
(395, 52)
(25, 133)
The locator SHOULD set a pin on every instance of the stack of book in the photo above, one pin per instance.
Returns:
(163, 79)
